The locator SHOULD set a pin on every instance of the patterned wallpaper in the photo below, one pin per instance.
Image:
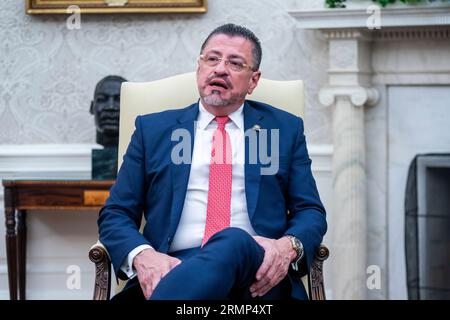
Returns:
(48, 72)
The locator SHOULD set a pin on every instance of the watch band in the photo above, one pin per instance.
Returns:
(298, 247)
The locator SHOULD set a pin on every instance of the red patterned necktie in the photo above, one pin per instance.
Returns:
(219, 192)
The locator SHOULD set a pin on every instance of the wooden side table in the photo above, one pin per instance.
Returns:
(24, 195)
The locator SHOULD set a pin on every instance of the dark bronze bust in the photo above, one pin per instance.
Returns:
(106, 107)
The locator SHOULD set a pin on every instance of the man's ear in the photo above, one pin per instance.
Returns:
(198, 69)
(91, 108)
(254, 81)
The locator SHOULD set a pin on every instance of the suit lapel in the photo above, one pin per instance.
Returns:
(252, 119)
(180, 172)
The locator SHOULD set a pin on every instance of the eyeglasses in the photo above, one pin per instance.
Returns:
(212, 61)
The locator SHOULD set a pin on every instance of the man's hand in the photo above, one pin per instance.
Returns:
(277, 258)
(151, 266)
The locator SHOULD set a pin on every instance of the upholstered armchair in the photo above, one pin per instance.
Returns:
(177, 92)
(102, 289)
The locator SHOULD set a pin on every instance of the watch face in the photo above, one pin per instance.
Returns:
(298, 247)
(297, 243)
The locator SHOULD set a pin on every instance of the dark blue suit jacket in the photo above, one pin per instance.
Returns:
(149, 183)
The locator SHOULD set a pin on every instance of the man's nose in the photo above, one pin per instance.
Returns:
(112, 104)
(221, 67)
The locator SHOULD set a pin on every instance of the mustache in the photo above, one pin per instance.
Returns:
(214, 77)
(108, 115)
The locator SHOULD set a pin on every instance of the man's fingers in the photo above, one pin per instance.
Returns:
(156, 279)
(264, 267)
(148, 292)
(151, 283)
(266, 288)
(256, 287)
(146, 287)
(151, 267)
(146, 279)
(259, 240)
(174, 263)
(261, 287)
(143, 288)
(262, 271)
(262, 274)
(265, 280)
(260, 283)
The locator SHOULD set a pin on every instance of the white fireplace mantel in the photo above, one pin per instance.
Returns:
(407, 45)
(357, 18)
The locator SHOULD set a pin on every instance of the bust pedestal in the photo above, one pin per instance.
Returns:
(104, 163)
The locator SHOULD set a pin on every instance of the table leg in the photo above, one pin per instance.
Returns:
(11, 243)
(22, 251)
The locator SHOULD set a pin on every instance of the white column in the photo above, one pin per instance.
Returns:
(348, 91)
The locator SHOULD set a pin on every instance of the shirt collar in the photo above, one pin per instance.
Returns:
(205, 117)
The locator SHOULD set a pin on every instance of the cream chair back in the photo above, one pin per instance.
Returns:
(179, 91)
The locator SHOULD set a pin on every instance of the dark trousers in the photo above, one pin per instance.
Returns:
(224, 268)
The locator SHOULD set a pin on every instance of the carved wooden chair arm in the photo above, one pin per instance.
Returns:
(99, 255)
(316, 283)
(102, 290)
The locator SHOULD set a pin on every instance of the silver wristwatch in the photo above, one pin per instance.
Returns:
(298, 247)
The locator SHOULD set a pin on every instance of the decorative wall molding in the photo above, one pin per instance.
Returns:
(69, 161)
(357, 18)
(347, 34)
(442, 33)
(46, 160)
(359, 96)
(321, 156)
(411, 78)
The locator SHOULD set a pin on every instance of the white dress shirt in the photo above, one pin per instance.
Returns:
(192, 222)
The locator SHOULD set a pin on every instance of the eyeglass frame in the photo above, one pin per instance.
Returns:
(227, 61)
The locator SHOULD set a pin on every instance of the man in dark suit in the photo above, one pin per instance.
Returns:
(221, 220)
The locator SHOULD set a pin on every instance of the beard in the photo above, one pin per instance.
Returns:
(215, 99)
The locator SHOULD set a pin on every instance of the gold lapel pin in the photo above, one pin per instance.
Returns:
(256, 127)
